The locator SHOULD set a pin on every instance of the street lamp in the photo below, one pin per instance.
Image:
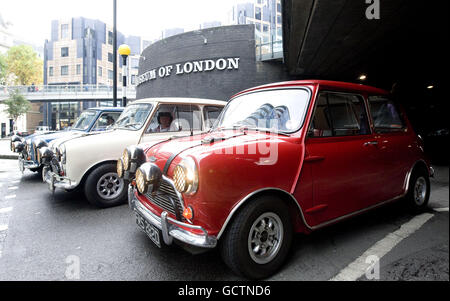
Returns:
(124, 51)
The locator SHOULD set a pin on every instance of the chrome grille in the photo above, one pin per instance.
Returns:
(161, 198)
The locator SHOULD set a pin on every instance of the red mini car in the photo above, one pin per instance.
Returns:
(281, 158)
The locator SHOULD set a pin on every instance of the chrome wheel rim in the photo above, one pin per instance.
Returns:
(420, 191)
(265, 238)
(109, 186)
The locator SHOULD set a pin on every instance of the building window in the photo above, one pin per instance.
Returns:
(78, 69)
(134, 63)
(110, 37)
(100, 71)
(120, 77)
(265, 28)
(110, 74)
(279, 7)
(279, 19)
(64, 70)
(258, 13)
(64, 51)
(133, 79)
(110, 57)
(50, 71)
(64, 31)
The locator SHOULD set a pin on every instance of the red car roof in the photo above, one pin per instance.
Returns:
(324, 83)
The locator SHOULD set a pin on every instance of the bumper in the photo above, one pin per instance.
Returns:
(27, 164)
(431, 172)
(170, 227)
(56, 181)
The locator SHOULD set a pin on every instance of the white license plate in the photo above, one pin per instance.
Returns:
(151, 231)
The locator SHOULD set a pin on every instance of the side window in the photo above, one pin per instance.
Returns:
(211, 114)
(339, 115)
(105, 120)
(175, 118)
(386, 117)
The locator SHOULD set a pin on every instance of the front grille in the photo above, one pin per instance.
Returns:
(162, 200)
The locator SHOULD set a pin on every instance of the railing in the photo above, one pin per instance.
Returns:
(269, 51)
(42, 92)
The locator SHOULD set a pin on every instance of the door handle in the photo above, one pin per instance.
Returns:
(371, 143)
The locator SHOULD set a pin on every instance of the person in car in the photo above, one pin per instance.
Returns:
(164, 120)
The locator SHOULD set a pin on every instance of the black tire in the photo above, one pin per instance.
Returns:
(416, 206)
(38, 170)
(92, 194)
(234, 245)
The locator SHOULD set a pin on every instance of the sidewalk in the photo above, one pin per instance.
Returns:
(5, 151)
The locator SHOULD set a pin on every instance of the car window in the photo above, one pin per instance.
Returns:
(386, 117)
(339, 115)
(85, 120)
(105, 120)
(211, 114)
(175, 118)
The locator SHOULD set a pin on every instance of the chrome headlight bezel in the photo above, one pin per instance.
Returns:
(148, 178)
(44, 155)
(185, 176)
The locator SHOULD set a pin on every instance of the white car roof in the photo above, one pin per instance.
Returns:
(193, 100)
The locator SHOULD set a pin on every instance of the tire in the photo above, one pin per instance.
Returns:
(103, 178)
(236, 245)
(418, 191)
(38, 170)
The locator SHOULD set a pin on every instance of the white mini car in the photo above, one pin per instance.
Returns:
(89, 162)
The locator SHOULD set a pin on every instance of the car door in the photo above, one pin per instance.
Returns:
(341, 153)
(393, 143)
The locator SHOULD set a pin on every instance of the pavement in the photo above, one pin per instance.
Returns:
(5, 151)
(63, 237)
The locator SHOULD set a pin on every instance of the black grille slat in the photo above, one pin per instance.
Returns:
(161, 199)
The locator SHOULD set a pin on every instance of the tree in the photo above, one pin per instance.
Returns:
(16, 105)
(3, 69)
(23, 62)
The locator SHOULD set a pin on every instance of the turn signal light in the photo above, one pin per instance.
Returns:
(188, 213)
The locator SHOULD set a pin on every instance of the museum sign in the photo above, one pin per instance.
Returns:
(220, 64)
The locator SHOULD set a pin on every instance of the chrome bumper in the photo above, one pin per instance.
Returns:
(27, 164)
(431, 172)
(170, 227)
(56, 181)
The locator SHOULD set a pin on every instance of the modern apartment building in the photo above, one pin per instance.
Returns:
(80, 52)
(266, 16)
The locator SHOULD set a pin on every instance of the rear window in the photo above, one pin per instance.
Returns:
(385, 114)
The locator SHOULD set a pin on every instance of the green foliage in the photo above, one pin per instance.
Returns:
(3, 69)
(23, 62)
(16, 105)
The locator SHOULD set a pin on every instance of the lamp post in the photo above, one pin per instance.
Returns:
(124, 51)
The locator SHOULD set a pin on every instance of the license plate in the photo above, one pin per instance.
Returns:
(151, 231)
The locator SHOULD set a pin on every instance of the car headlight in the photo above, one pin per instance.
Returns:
(148, 178)
(44, 154)
(185, 176)
(126, 159)
(63, 151)
(119, 167)
(133, 156)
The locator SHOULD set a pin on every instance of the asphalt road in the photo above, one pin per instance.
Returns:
(43, 236)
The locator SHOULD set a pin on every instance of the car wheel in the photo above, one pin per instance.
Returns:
(418, 191)
(258, 240)
(103, 187)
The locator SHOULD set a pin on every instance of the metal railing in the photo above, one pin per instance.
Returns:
(269, 51)
(50, 92)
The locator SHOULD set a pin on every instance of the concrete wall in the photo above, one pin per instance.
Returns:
(221, 42)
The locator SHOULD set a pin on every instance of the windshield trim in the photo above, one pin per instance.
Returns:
(305, 113)
(151, 107)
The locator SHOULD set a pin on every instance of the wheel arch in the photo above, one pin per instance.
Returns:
(296, 211)
(418, 165)
(93, 167)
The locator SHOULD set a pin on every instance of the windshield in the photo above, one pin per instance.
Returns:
(275, 110)
(85, 120)
(134, 116)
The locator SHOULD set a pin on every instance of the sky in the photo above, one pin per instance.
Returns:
(31, 19)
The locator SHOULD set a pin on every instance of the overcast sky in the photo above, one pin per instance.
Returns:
(31, 19)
